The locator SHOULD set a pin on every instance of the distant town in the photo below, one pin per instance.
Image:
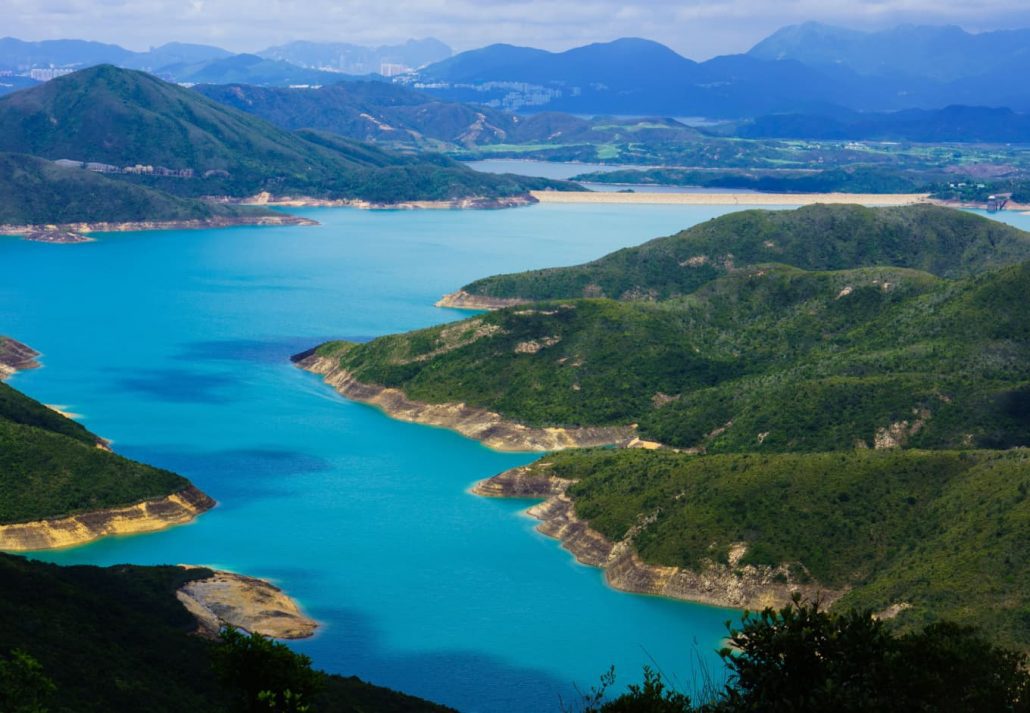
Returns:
(139, 169)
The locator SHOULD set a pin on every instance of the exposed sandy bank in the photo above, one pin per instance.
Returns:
(743, 199)
(76, 232)
(471, 203)
(245, 603)
(147, 516)
(726, 585)
(488, 427)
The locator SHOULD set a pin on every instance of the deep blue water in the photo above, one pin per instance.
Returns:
(175, 345)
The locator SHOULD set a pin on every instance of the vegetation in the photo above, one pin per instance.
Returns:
(34, 191)
(941, 241)
(116, 639)
(124, 117)
(939, 531)
(51, 466)
(801, 659)
(768, 357)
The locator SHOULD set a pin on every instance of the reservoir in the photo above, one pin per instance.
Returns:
(176, 345)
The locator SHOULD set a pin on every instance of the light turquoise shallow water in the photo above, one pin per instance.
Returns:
(175, 345)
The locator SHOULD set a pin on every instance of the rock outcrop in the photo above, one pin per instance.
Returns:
(246, 603)
(485, 426)
(463, 300)
(719, 584)
(147, 516)
(15, 356)
(470, 203)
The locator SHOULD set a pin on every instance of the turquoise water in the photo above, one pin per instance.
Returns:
(175, 345)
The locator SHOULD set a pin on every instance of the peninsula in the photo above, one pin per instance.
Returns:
(64, 487)
(843, 367)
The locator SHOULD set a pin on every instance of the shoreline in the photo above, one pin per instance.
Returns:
(71, 233)
(15, 357)
(146, 516)
(248, 603)
(730, 199)
(724, 585)
(487, 427)
(470, 203)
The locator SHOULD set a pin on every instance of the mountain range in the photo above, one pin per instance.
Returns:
(808, 68)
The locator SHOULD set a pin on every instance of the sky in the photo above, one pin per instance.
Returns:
(698, 29)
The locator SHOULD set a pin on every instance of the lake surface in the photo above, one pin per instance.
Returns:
(175, 345)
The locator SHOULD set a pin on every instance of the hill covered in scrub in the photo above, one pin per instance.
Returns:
(941, 241)
(113, 640)
(770, 358)
(123, 117)
(51, 466)
(34, 191)
(936, 533)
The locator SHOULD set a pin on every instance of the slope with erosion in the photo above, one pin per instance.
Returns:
(124, 118)
(918, 536)
(62, 486)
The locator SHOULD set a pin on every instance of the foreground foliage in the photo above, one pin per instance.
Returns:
(113, 640)
(802, 660)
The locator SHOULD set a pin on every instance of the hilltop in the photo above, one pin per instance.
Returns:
(941, 241)
(124, 118)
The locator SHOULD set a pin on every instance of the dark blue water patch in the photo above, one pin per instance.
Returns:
(235, 476)
(262, 351)
(178, 385)
(471, 681)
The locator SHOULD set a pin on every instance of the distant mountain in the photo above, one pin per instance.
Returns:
(945, 53)
(396, 115)
(124, 117)
(174, 53)
(246, 69)
(635, 77)
(17, 54)
(951, 124)
(357, 59)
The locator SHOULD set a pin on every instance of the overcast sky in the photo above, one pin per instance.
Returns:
(696, 28)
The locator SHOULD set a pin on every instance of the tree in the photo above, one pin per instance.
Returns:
(24, 688)
(265, 675)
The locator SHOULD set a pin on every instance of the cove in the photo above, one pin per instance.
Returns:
(175, 345)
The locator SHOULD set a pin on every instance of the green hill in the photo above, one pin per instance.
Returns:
(34, 191)
(50, 466)
(116, 640)
(771, 358)
(937, 240)
(941, 532)
(123, 118)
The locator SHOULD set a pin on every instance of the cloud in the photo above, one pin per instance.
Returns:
(696, 28)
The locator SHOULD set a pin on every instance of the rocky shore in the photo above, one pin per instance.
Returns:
(147, 516)
(15, 356)
(463, 300)
(718, 584)
(471, 203)
(77, 232)
(248, 603)
(488, 427)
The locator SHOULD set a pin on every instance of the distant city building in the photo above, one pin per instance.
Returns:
(388, 69)
(48, 73)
